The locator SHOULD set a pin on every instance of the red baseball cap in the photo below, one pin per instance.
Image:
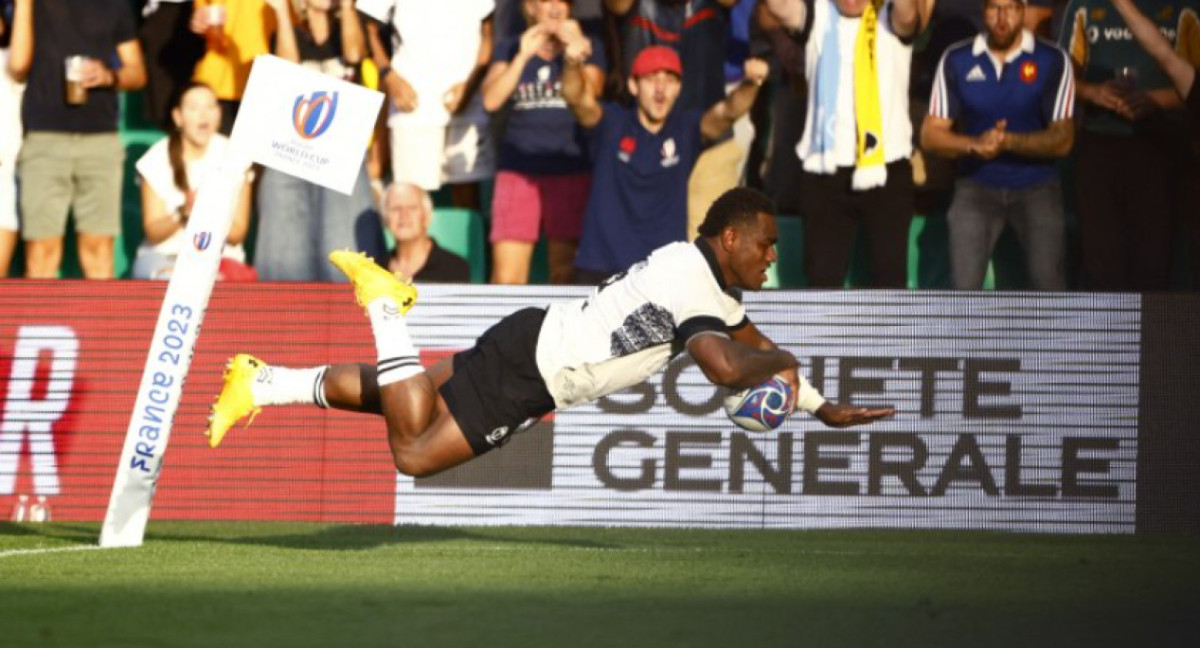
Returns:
(657, 58)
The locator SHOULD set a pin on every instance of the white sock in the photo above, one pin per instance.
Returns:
(397, 357)
(283, 386)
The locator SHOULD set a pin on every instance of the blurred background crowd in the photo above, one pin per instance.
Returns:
(966, 144)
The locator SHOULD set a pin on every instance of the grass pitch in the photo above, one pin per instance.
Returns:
(296, 585)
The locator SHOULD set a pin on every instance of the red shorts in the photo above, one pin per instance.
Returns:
(525, 206)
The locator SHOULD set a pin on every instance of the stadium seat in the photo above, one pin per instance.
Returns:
(461, 231)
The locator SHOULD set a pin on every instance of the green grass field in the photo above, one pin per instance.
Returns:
(264, 584)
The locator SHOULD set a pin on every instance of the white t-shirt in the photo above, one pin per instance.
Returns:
(894, 60)
(435, 47)
(154, 167)
(626, 331)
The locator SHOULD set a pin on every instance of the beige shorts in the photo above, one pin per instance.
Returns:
(64, 172)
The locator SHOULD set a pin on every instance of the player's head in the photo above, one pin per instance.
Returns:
(655, 81)
(741, 228)
(407, 212)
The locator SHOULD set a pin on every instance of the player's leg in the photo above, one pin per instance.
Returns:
(251, 384)
(423, 436)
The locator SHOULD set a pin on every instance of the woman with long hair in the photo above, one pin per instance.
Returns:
(170, 174)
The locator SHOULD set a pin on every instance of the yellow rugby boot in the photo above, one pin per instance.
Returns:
(235, 400)
(372, 282)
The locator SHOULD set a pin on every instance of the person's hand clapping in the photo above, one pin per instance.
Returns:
(990, 144)
(531, 41)
(578, 50)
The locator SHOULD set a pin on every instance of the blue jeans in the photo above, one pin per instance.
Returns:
(977, 217)
(300, 223)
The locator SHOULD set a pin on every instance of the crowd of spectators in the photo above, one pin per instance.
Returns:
(602, 129)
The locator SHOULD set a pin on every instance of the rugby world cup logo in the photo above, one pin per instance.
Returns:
(312, 116)
(201, 240)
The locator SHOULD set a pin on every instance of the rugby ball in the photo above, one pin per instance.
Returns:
(761, 408)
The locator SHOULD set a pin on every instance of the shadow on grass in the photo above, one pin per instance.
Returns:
(82, 533)
(349, 537)
(363, 537)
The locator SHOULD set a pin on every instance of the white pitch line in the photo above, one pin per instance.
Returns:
(29, 552)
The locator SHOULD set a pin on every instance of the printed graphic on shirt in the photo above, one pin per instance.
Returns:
(626, 148)
(1029, 71)
(669, 153)
(544, 92)
(648, 325)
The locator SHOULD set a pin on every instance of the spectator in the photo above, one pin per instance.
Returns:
(1181, 71)
(10, 145)
(785, 124)
(699, 30)
(1010, 97)
(301, 222)
(170, 174)
(236, 31)
(856, 171)
(408, 213)
(543, 171)
(171, 51)
(642, 156)
(1129, 143)
(71, 153)
(438, 126)
(1183, 76)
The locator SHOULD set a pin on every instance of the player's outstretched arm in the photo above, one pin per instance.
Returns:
(839, 416)
(829, 413)
(736, 365)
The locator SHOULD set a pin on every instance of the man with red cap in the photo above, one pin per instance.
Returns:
(643, 155)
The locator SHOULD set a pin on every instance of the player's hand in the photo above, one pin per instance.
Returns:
(404, 98)
(756, 70)
(840, 416)
(280, 6)
(793, 378)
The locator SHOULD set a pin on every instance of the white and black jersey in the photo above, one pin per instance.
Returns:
(631, 326)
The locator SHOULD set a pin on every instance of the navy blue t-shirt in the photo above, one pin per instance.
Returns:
(1034, 89)
(64, 28)
(639, 187)
(542, 137)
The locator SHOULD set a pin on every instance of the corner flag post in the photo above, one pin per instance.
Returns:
(294, 120)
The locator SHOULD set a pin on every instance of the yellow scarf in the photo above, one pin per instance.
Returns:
(870, 167)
